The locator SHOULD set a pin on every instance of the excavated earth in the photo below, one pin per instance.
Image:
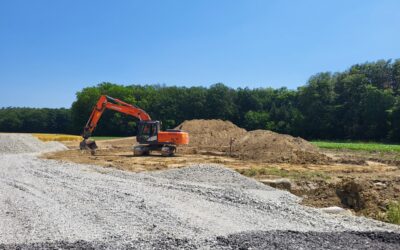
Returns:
(211, 136)
(53, 204)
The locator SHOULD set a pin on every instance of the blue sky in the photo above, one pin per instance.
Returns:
(49, 50)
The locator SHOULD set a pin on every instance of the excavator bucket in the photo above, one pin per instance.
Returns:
(88, 145)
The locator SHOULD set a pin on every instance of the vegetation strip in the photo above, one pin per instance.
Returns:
(361, 146)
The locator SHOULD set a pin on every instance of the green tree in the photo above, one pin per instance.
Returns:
(220, 102)
(375, 108)
(256, 120)
(316, 103)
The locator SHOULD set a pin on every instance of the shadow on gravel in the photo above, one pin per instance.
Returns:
(247, 240)
(167, 243)
(309, 240)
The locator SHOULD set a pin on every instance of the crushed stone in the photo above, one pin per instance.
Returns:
(26, 143)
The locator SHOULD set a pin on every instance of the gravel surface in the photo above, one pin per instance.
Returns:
(50, 204)
(26, 143)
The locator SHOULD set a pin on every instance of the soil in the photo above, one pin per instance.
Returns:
(365, 189)
(268, 146)
(219, 137)
(210, 135)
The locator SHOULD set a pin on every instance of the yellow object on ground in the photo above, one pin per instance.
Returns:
(57, 137)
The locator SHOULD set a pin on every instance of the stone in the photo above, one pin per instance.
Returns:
(282, 183)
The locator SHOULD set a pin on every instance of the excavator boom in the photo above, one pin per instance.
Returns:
(106, 102)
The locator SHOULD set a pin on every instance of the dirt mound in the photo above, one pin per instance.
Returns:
(269, 146)
(26, 143)
(212, 136)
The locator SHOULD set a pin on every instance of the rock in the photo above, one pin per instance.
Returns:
(282, 183)
(380, 184)
(335, 210)
(312, 186)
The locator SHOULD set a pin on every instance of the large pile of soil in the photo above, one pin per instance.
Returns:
(258, 145)
(211, 134)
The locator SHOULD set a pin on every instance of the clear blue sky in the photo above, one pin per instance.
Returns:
(51, 49)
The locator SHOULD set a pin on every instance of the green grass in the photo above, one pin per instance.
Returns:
(99, 138)
(393, 213)
(360, 146)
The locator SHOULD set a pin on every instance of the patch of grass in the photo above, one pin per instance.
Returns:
(360, 146)
(393, 212)
(249, 172)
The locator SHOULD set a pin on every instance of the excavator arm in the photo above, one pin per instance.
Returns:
(106, 102)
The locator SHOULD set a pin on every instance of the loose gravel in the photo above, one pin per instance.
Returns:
(26, 143)
(50, 204)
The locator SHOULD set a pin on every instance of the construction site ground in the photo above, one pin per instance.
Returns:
(362, 182)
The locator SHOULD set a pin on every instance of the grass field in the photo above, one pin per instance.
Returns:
(360, 146)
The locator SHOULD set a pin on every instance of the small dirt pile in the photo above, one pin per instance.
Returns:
(26, 143)
(213, 136)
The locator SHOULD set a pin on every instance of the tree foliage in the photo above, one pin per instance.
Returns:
(361, 103)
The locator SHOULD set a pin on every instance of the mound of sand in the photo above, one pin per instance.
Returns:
(26, 143)
(258, 145)
(211, 134)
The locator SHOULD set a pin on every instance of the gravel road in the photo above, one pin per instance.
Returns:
(50, 204)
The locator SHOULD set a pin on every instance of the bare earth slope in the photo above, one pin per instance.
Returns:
(52, 204)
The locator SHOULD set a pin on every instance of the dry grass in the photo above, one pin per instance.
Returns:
(57, 137)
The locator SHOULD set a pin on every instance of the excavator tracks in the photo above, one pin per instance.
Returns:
(166, 150)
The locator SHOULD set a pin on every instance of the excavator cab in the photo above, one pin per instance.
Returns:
(148, 132)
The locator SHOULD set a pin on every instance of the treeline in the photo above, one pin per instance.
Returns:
(361, 103)
(35, 120)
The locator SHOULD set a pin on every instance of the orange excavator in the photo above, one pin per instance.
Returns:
(149, 136)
